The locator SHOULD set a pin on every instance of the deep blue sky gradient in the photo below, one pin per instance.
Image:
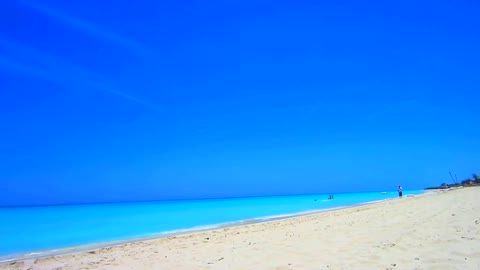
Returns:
(120, 100)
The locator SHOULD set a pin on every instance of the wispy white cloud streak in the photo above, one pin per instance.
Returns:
(41, 65)
(84, 26)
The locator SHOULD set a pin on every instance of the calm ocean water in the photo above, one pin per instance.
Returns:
(33, 230)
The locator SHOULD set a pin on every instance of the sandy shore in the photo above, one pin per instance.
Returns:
(438, 231)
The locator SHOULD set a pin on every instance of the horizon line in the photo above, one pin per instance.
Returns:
(193, 199)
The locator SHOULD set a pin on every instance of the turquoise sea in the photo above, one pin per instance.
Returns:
(33, 231)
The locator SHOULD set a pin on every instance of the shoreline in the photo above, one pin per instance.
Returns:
(181, 232)
(438, 231)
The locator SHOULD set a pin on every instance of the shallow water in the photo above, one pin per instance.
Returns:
(25, 230)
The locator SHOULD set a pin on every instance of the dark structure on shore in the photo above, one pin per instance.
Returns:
(470, 182)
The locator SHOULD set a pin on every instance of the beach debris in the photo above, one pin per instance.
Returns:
(17, 264)
(207, 238)
(417, 259)
(219, 259)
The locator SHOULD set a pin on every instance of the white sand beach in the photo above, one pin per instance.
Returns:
(434, 231)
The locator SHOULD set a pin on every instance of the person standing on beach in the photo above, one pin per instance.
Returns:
(400, 191)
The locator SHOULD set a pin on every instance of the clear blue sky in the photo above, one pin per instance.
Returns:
(122, 100)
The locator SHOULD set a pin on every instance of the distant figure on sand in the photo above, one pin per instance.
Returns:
(400, 190)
